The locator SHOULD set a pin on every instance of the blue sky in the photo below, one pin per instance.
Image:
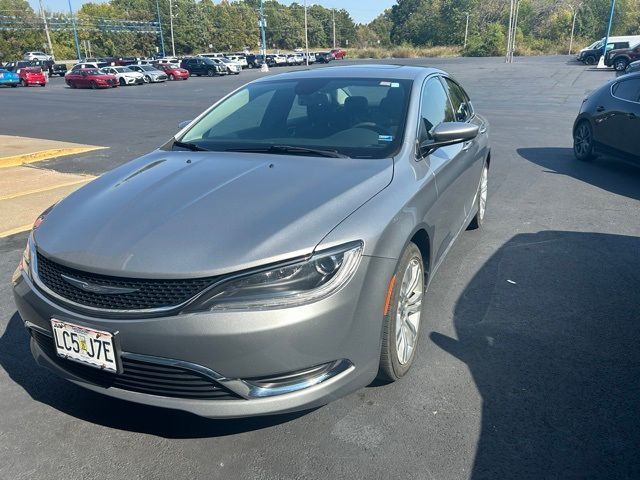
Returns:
(362, 11)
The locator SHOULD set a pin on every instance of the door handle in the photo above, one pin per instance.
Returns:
(600, 109)
(483, 129)
(466, 145)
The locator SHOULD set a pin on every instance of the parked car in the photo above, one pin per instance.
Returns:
(620, 58)
(166, 60)
(591, 54)
(203, 66)
(125, 75)
(9, 78)
(20, 64)
(609, 121)
(90, 78)
(173, 71)
(231, 67)
(150, 74)
(89, 65)
(239, 59)
(338, 53)
(312, 57)
(254, 61)
(59, 69)
(32, 76)
(279, 59)
(324, 57)
(37, 56)
(125, 61)
(271, 257)
(633, 67)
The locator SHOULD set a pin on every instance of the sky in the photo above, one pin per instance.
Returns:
(362, 11)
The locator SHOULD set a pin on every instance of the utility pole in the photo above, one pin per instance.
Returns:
(306, 34)
(173, 45)
(75, 32)
(466, 32)
(606, 40)
(160, 27)
(46, 28)
(573, 24)
(262, 32)
(515, 30)
(333, 11)
(511, 12)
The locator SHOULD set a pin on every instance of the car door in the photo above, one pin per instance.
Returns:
(448, 213)
(626, 124)
(473, 152)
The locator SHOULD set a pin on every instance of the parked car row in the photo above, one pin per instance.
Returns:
(28, 76)
(620, 51)
(46, 65)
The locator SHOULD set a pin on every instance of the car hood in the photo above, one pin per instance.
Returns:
(192, 214)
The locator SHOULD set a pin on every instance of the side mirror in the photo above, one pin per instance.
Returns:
(449, 133)
(183, 124)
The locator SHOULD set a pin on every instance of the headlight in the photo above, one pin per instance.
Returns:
(286, 285)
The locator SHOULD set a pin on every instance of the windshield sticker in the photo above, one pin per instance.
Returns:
(385, 84)
(385, 138)
(395, 85)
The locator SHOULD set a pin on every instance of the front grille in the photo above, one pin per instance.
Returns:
(140, 376)
(150, 293)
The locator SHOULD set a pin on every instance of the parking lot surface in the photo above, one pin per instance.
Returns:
(528, 366)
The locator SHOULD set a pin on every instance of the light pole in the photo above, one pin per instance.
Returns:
(333, 12)
(573, 24)
(75, 32)
(506, 60)
(306, 34)
(466, 32)
(262, 32)
(160, 27)
(606, 40)
(173, 45)
(46, 28)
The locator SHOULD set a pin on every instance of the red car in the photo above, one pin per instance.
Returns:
(338, 53)
(32, 76)
(174, 72)
(90, 78)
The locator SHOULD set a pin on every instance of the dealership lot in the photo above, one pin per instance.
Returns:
(528, 364)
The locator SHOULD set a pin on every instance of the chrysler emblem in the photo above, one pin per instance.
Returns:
(95, 288)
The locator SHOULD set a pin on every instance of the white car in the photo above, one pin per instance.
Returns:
(37, 56)
(232, 67)
(168, 60)
(280, 59)
(125, 75)
(239, 59)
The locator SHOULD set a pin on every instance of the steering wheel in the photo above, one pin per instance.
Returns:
(373, 126)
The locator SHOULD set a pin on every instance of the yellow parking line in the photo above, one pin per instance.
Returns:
(45, 189)
(16, 160)
(13, 231)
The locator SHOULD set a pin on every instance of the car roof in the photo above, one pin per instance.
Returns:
(396, 72)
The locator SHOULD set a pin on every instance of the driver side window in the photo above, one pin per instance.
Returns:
(435, 108)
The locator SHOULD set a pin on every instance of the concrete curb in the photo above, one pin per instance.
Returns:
(17, 160)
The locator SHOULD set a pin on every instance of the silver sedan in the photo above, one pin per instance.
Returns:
(150, 74)
(272, 256)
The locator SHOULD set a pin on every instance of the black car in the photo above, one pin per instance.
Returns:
(202, 66)
(324, 57)
(591, 55)
(633, 67)
(609, 121)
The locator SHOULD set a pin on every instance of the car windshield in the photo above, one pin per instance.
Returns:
(123, 70)
(147, 68)
(91, 71)
(357, 117)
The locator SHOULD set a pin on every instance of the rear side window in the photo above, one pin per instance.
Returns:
(627, 90)
(435, 107)
(459, 100)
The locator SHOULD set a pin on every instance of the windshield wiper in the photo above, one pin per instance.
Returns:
(290, 149)
(189, 146)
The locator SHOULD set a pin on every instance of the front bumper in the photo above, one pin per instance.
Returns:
(241, 348)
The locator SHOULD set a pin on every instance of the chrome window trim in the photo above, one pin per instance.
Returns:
(618, 82)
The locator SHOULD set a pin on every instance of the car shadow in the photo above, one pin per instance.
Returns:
(549, 328)
(606, 172)
(45, 387)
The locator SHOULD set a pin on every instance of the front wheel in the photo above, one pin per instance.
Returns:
(171, 77)
(93, 85)
(402, 314)
(620, 65)
(583, 141)
(481, 199)
(24, 83)
(210, 73)
(590, 60)
(122, 82)
(147, 79)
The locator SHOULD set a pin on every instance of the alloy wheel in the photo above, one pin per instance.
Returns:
(409, 310)
(147, 79)
(582, 140)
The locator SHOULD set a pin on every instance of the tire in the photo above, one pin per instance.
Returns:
(147, 79)
(481, 199)
(122, 82)
(210, 73)
(620, 64)
(590, 60)
(401, 331)
(14, 85)
(93, 85)
(171, 77)
(583, 141)
(43, 84)
(71, 84)
(24, 83)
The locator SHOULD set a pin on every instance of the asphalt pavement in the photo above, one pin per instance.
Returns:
(528, 366)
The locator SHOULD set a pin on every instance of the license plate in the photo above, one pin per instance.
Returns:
(84, 345)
